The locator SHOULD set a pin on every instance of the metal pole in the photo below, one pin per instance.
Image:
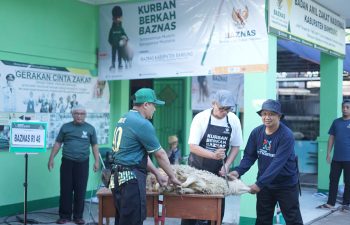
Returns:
(25, 188)
(211, 33)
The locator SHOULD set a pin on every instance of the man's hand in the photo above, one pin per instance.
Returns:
(219, 153)
(223, 169)
(328, 158)
(96, 165)
(162, 180)
(233, 175)
(175, 181)
(254, 189)
(50, 165)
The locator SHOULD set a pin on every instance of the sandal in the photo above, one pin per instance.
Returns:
(345, 208)
(325, 206)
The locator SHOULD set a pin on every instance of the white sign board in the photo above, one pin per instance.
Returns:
(28, 136)
(309, 23)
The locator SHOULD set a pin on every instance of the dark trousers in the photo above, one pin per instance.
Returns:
(73, 181)
(114, 53)
(127, 202)
(204, 222)
(288, 200)
(336, 168)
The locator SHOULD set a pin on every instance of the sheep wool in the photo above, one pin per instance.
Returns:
(196, 181)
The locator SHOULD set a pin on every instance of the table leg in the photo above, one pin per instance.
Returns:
(218, 221)
(155, 210)
(100, 208)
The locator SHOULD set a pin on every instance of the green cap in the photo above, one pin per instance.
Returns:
(147, 95)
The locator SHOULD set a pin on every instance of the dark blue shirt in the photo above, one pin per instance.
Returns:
(276, 157)
(340, 129)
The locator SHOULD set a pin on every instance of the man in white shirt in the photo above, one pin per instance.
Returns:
(215, 137)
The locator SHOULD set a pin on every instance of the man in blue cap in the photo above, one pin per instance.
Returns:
(9, 94)
(272, 144)
(134, 139)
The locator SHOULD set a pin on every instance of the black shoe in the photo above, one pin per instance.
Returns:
(62, 221)
(345, 208)
(79, 221)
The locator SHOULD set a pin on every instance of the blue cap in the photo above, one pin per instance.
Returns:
(272, 106)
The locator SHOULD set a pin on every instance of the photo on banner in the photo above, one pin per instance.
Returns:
(46, 93)
(175, 38)
(205, 87)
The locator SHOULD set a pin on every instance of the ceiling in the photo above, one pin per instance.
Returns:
(340, 7)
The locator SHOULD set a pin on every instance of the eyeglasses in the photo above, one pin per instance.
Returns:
(79, 114)
(225, 108)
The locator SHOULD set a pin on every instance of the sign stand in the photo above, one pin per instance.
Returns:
(25, 184)
(27, 137)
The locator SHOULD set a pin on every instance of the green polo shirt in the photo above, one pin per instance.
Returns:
(134, 137)
(77, 139)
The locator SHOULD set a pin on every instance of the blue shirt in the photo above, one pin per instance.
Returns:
(340, 129)
(276, 157)
(134, 137)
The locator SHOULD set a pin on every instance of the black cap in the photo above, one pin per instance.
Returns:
(10, 77)
(117, 11)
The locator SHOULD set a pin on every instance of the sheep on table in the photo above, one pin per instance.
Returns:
(198, 182)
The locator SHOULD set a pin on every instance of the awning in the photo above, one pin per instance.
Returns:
(311, 54)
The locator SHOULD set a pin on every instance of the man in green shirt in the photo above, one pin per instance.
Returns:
(134, 139)
(77, 137)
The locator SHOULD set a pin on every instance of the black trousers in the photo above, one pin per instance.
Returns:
(336, 168)
(127, 203)
(288, 200)
(73, 181)
(204, 222)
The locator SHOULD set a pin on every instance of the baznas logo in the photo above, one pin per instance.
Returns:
(279, 4)
(227, 130)
(84, 134)
(240, 16)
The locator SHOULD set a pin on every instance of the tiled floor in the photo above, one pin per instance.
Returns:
(309, 200)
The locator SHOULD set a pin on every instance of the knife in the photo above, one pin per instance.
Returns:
(225, 172)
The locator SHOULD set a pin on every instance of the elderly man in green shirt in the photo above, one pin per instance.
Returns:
(77, 137)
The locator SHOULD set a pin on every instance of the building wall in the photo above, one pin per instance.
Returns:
(56, 33)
